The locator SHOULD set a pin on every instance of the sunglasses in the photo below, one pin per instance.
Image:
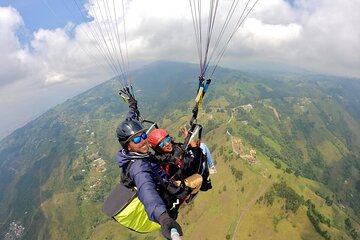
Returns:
(163, 143)
(137, 139)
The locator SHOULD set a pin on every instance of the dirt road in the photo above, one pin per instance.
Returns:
(251, 203)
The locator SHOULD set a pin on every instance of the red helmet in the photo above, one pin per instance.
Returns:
(155, 137)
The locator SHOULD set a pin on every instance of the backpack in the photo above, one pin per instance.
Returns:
(124, 206)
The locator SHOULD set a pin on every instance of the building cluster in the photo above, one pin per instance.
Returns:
(247, 107)
(16, 231)
(99, 164)
(249, 155)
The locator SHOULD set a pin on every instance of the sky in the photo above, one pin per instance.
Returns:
(48, 49)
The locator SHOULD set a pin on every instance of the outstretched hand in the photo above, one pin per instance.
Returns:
(132, 102)
(128, 96)
(167, 223)
(184, 131)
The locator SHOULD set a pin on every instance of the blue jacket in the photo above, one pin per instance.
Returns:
(143, 173)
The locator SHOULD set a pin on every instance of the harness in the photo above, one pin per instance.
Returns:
(172, 194)
(180, 166)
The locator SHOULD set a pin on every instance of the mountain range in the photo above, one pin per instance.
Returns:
(286, 147)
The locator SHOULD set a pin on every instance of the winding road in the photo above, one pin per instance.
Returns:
(251, 203)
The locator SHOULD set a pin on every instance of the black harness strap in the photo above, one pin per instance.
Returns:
(179, 192)
(125, 178)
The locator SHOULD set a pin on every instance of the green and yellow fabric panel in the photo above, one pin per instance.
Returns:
(124, 206)
(133, 216)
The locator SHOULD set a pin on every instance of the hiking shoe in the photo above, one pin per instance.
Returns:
(212, 170)
(206, 185)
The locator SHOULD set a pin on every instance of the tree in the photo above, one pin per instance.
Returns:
(329, 201)
(348, 225)
(221, 151)
(277, 164)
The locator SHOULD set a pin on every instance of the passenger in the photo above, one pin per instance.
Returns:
(177, 164)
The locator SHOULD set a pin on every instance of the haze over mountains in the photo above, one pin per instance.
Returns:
(286, 147)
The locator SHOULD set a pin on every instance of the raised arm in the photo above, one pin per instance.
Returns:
(127, 95)
(185, 133)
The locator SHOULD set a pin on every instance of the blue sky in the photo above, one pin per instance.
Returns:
(291, 2)
(48, 60)
(47, 14)
(36, 13)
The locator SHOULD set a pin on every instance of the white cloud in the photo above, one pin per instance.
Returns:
(58, 63)
(255, 34)
(12, 55)
(319, 35)
(332, 37)
(274, 12)
(10, 20)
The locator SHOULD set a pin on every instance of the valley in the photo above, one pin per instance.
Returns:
(286, 154)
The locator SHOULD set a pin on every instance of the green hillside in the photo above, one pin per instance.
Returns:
(286, 148)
